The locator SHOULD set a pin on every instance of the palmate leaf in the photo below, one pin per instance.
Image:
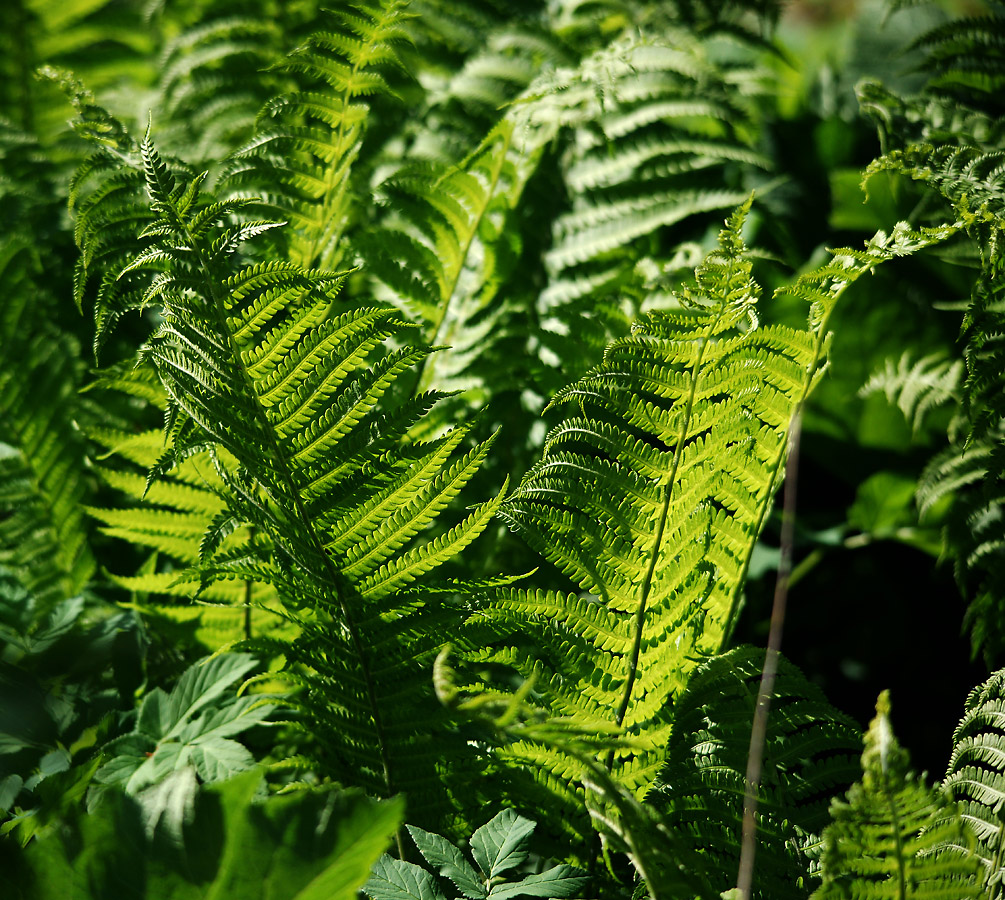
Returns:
(186, 733)
(259, 369)
(651, 497)
(498, 847)
(893, 836)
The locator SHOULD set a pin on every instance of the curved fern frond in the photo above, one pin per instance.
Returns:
(917, 386)
(42, 475)
(810, 753)
(258, 369)
(652, 494)
(212, 86)
(656, 139)
(302, 159)
(893, 836)
(965, 58)
(975, 777)
(444, 256)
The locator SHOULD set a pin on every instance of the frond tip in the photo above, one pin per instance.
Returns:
(893, 836)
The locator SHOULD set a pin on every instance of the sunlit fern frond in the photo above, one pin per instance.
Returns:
(449, 246)
(810, 753)
(656, 140)
(43, 479)
(917, 386)
(975, 777)
(171, 517)
(893, 836)
(302, 159)
(651, 495)
(282, 392)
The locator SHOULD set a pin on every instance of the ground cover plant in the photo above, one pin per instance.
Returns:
(394, 398)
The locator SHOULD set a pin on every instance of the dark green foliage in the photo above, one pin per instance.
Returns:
(312, 845)
(498, 847)
(809, 756)
(368, 264)
(893, 836)
(952, 140)
(67, 673)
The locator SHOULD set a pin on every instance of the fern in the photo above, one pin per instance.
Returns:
(974, 777)
(210, 88)
(257, 371)
(893, 836)
(652, 496)
(967, 174)
(655, 138)
(302, 160)
(809, 755)
(917, 386)
(446, 255)
(42, 476)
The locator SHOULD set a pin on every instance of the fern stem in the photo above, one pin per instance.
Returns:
(759, 730)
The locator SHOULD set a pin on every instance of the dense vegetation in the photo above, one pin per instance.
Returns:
(393, 401)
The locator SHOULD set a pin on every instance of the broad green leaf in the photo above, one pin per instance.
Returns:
(203, 683)
(313, 845)
(392, 879)
(500, 844)
(450, 862)
(558, 881)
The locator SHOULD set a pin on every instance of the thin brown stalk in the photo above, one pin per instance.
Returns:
(758, 733)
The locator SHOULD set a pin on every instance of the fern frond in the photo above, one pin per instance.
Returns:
(302, 159)
(42, 475)
(893, 836)
(212, 86)
(260, 371)
(652, 494)
(917, 386)
(656, 140)
(446, 253)
(810, 753)
(975, 777)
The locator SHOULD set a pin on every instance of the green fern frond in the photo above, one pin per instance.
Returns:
(975, 777)
(810, 753)
(449, 247)
(656, 140)
(43, 480)
(302, 159)
(212, 85)
(965, 58)
(258, 369)
(917, 386)
(893, 836)
(652, 494)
